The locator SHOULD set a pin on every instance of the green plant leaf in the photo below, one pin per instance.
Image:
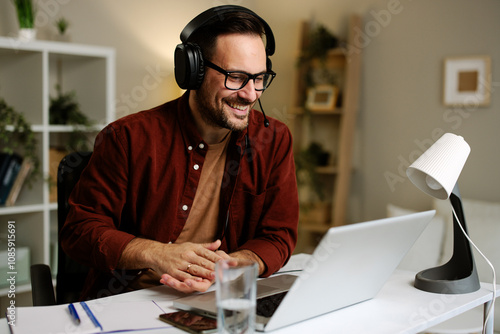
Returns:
(25, 13)
(20, 139)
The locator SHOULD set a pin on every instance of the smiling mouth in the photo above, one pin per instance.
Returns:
(239, 110)
(240, 107)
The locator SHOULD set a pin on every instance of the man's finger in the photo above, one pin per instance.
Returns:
(213, 246)
(188, 286)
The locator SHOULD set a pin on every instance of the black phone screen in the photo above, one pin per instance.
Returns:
(190, 322)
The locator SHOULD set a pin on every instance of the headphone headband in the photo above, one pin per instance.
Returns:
(203, 18)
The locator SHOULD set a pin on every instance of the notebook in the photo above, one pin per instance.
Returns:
(350, 265)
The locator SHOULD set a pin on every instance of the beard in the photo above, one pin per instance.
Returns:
(214, 113)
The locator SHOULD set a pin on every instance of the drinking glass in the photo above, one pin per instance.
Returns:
(236, 296)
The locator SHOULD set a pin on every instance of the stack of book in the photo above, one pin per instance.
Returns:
(13, 173)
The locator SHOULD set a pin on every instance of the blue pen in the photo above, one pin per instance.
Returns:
(91, 315)
(73, 313)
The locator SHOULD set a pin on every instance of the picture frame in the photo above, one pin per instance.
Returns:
(322, 98)
(467, 81)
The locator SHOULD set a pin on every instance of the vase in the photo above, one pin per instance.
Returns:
(27, 34)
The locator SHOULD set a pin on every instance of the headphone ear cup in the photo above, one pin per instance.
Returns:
(189, 68)
(199, 64)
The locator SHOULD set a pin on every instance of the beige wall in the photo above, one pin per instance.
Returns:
(403, 53)
(402, 94)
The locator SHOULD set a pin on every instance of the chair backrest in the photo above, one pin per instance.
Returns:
(71, 275)
(42, 290)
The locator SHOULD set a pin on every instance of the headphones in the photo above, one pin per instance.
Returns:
(188, 58)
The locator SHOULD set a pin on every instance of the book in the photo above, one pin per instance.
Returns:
(23, 173)
(13, 164)
(4, 163)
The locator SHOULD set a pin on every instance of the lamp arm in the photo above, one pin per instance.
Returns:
(461, 246)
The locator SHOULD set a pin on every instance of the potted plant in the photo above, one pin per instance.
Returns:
(65, 110)
(26, 18)
(320, 41)
(313, 207)
(16, 135)
(306, 163)
(62, 26)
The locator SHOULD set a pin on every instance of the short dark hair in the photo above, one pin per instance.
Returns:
(228, 23)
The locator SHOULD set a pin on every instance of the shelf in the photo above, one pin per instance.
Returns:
(314, 227)
(14, 45)
(16, 209)
(300, 111)
(21, 287)
(332, 129)
(29, 73)
(71, 128)
(61, 128)
(327, 170)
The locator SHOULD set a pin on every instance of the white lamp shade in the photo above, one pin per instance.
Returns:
(437, 170)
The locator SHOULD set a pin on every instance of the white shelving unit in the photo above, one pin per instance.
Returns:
(29, 73)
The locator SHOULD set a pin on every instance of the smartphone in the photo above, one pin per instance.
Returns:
(190, 322)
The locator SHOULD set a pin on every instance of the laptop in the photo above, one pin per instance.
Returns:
(350, 265)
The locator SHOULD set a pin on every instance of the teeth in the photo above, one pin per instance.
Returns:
(236, 106)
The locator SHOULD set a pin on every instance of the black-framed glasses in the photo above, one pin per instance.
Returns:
(236, 80)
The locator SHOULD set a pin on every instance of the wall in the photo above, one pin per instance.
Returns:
(402, 110)
(402, 75)
(144, 34)
(401, 113)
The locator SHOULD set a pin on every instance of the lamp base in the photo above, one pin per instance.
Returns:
(444, 280)
(459, 274)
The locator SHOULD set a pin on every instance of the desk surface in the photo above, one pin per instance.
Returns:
(397, 308)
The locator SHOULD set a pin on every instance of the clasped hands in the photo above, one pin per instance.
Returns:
(187, 267)
(190, 267)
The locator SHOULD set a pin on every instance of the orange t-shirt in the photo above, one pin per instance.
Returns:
(201, 224)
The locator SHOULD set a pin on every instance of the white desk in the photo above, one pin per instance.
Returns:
(398, 308)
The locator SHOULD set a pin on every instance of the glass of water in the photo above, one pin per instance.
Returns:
(236, 291)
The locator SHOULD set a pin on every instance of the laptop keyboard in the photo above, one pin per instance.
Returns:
(267, 306)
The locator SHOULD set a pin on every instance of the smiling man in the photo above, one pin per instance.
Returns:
(171, 190)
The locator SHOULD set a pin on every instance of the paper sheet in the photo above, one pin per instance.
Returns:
(113, 317)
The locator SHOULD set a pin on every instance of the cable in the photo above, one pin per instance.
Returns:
(490, 309)
(266, 122)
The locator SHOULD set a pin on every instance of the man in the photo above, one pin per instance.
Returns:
(170, 191)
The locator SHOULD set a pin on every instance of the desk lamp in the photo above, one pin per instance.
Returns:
(436, 173)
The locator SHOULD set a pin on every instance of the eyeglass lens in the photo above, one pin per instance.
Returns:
(238, 80)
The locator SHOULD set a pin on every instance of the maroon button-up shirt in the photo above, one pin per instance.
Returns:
(143, 176)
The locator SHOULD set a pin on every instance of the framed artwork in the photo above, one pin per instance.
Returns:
(322, 97)
(467, 81)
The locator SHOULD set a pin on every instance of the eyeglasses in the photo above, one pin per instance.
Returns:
(236, 80)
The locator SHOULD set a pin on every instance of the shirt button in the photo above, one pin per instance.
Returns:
(184, 207)
(202, 146)
(190, 147)
(196, 167)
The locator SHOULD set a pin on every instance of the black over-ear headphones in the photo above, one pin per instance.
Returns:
(188, 59)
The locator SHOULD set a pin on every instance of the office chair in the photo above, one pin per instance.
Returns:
(71, 275)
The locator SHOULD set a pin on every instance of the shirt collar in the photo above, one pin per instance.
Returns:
(190, 133)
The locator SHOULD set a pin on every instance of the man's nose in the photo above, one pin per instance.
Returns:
(248, 92)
